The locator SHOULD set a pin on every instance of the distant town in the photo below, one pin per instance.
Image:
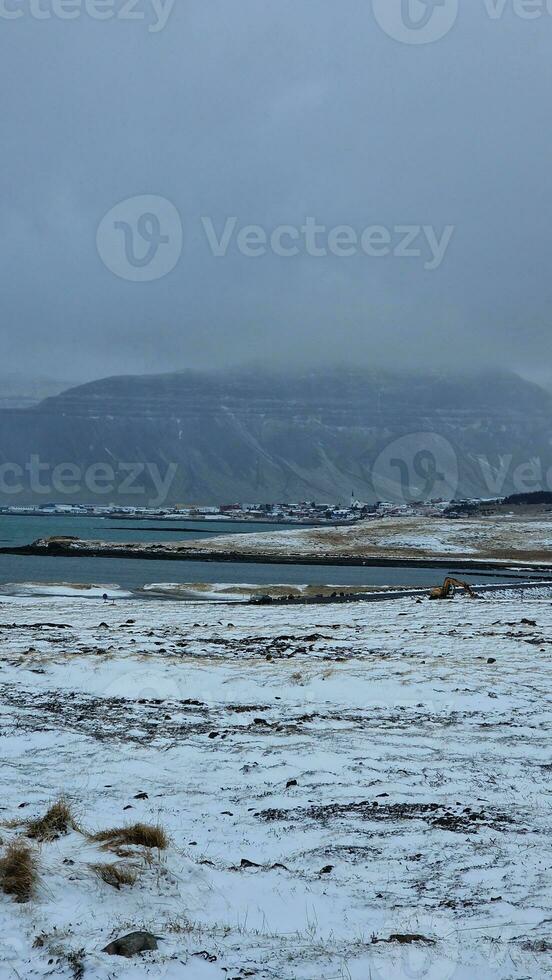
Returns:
(302, 513)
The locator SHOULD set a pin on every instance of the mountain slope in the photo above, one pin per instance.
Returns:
(219, 437)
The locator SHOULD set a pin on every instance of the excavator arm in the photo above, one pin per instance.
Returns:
(449, 587)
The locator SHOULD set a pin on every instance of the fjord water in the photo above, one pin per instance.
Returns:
(16, 530)
(134, 574)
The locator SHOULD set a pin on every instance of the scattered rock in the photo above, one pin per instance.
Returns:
(435, 814)
(538, 946)
(405, 939)
(132, 944)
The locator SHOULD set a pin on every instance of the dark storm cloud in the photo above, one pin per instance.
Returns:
(271, 113)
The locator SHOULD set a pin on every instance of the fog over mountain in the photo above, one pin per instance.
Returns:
(310, 224)
(218, 437)
(270, 114)
(19, 391)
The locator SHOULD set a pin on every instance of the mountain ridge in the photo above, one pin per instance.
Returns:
(265, 436)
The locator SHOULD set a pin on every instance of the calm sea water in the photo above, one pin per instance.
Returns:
(24, 530)
(134, 574)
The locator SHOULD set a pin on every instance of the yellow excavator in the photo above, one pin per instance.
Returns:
(448, 589)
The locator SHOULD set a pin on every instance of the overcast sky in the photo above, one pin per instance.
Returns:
(270, 113)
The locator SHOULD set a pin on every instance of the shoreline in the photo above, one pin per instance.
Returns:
(392, 595)
(219, 519)
(461, 562)
(73, 591)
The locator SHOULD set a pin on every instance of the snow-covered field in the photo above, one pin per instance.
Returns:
(499, 538)
(338, 783)
(490, 537)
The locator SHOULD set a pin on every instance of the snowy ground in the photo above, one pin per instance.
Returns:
(384, 768)
(488, 537)
(222, 591)
(501, 538)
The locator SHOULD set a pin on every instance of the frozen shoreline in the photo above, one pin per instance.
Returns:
(56, 548)
(476, 544)
(240, 593)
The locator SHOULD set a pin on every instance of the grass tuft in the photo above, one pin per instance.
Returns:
(140, 834)
(57, 821)
(18, 871)
(114, 874)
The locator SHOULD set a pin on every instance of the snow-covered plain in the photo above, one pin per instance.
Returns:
(330, 777)
(399, 537)
(499, 538)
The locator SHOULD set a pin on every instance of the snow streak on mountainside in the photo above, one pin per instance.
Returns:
(253, 436)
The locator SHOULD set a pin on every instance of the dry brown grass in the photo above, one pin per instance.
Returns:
(57, 821)
(19, 871)
(115, 875)
(140, 834)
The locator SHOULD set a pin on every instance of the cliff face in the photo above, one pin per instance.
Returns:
(220, 437)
